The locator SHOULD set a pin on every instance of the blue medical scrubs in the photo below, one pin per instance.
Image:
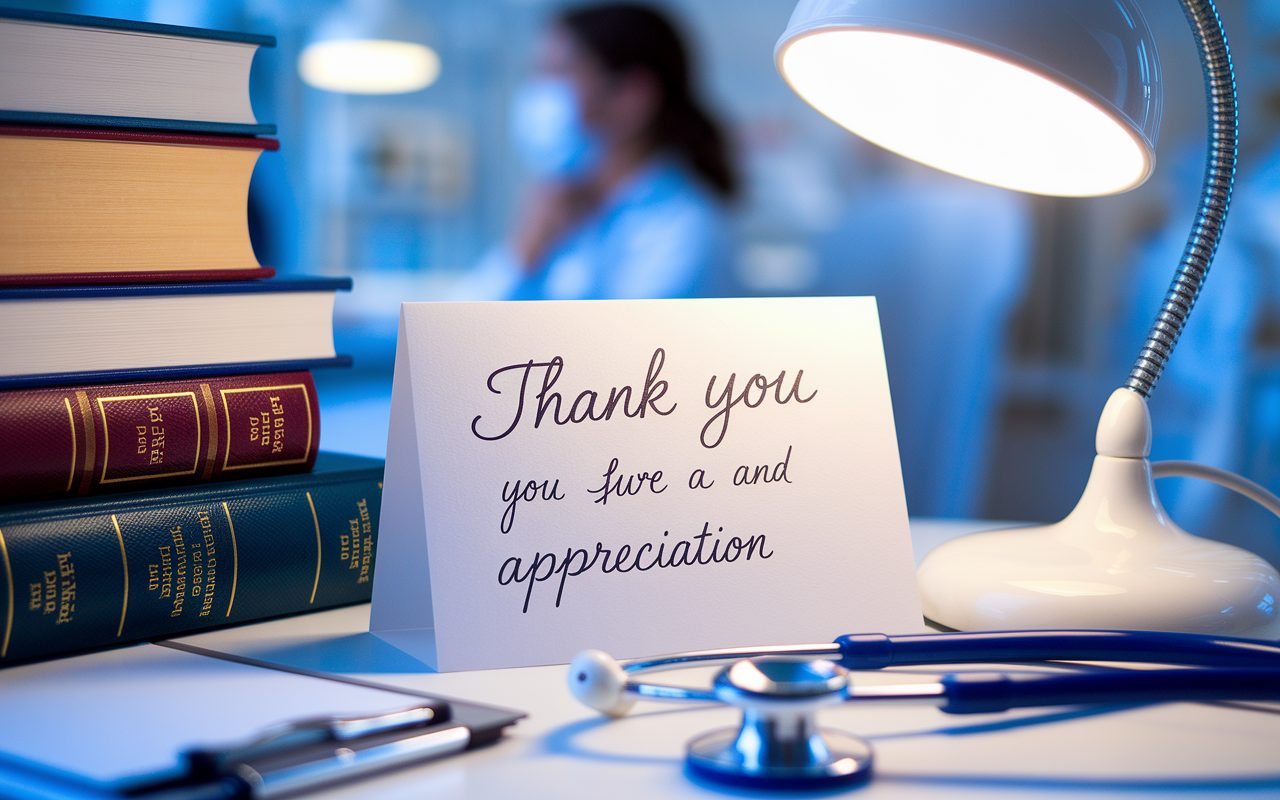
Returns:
(660, 234)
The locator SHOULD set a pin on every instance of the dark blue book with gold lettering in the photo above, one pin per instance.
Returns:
(89, 573)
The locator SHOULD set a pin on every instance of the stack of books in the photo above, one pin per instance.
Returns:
(159, 430)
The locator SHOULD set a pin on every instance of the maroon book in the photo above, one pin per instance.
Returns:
(81, 440)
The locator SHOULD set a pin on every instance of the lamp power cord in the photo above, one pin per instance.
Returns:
(1230, 480)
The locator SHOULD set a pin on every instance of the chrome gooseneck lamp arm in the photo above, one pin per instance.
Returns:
(1202, 243)
(1215, 198)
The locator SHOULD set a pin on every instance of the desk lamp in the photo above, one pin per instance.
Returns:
(1054, 98)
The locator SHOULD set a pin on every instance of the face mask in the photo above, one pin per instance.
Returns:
(547, 130)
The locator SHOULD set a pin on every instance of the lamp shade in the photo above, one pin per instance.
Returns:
(1056, 98)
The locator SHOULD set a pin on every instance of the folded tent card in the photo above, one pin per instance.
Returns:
(640, 476)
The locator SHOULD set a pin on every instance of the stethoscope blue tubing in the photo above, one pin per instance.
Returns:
(864, 651)
(1228, 668)
(1209, 668)
(984, 693)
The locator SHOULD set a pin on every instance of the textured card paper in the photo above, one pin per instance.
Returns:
(639, 476)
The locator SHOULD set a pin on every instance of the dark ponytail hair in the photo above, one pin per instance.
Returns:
(626, 36)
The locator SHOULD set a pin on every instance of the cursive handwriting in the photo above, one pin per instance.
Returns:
(756, 381)
(528, 494)
(575, 562)
(619, 490)
(744, 476)
(584, 405)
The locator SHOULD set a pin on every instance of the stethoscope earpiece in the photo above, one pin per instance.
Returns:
(597, 681)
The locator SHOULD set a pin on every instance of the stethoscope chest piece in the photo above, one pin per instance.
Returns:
(779, 745)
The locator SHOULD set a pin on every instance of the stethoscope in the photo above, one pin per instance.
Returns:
(778, 744)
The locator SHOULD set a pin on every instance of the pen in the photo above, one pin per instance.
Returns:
(305, 754)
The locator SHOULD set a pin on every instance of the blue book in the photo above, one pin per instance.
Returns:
(64, 335)
(72, 70)
(88, 573)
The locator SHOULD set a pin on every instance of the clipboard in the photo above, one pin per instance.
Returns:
(172, 721)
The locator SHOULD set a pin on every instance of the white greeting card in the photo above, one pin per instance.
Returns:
(641, 477)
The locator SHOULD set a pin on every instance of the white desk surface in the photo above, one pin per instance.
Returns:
(563, 750)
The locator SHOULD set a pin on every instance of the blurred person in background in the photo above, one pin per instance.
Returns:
(632, 173)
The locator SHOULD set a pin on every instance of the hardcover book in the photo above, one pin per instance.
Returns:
(62, 335)
(67, 69)
(93, 572)
(82, 206)
(126, 437)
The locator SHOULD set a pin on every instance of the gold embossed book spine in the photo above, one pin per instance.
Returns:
(101, 571)
(80, 440)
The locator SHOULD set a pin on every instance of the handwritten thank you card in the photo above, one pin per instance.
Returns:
(641, 477)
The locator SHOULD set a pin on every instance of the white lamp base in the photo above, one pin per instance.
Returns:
(1117, 561)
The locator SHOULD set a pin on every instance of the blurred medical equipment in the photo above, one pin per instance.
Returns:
(778, 745)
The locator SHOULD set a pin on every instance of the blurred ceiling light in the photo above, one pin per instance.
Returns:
(369, 47)
(369, 66)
